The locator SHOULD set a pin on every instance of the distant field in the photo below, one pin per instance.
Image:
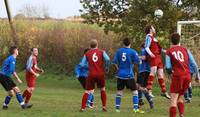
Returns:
(60, 96)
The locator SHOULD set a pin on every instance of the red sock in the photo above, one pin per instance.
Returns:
(103, 98)
(162, 84)
(25, 93)
(172, 111)
(84, 100)
(150, 82)
(28, 97)
(181, 107)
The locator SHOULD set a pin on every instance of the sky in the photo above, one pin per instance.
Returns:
(57, 8)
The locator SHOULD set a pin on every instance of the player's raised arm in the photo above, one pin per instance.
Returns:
(193, 66)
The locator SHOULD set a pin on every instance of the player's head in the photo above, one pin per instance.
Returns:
(86, 50)
(126, 42)
(13, 50)
(175, 38)
(34, 51)
(93, 43)
(150, 29)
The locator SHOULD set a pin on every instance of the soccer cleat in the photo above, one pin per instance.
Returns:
(166, 95)
(138, 111)
(29, 105)
(81, 110)
(151, 106)
(181, 115)
(187, 101)
(23, 106)
(117, 110)
(104, 109)
(141, 103)
(5, 107)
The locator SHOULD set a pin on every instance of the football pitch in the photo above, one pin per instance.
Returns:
(60, 96)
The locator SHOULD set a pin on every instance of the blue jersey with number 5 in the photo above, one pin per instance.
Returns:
(125, 58)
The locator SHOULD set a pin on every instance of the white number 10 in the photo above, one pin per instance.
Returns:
(178, 55)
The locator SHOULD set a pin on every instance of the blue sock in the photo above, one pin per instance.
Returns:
(135, 101)
(148, 97)
(90, 98)
(7, 100)
(118, 101)
(20, 99)
(190, 92)
(140, 94)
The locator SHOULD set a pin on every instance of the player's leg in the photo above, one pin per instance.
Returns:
(120, 87)
(90, 101)
(133, 86)
(180, 105)
(103, 98)
(8, 99)
(190, 91)
(151, 77)
(162, 83)
(173, 104)
(140, 81)
(19, 97)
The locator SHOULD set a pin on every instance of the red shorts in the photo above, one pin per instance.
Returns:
(31, 81)
(180, 84)
(157, 61)
(91, 81)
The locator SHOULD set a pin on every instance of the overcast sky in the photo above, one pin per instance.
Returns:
(57, 8)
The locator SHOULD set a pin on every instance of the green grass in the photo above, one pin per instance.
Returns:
(60, 96)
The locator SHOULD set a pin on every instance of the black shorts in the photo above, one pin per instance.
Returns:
(82, 81)
(7, 82)
(143, 79)
(128, 83)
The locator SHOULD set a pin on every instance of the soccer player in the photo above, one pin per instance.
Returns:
(154, 51)
(81, 75)
(7, 70)
(144, 71)
(124, 60)
(98, 61)
(32, 73)
(177, 64)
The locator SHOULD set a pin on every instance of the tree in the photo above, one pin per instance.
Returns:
(129, 17)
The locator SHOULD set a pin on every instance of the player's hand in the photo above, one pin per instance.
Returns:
(19, 81)
(42, 71)
(37, 75)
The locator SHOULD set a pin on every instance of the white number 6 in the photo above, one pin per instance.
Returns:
(95, 57)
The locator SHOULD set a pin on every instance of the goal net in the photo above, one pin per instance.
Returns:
(190, 37)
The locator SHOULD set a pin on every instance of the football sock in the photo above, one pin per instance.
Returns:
(150, 82)
(172, 111)
(135, 101)
(25, 93)
(7, 100)
(84, 100)
(190, 92)
(28, 97)
(140, 94)
(148, 97)
(180, 107)
(20, 99)
(103, 98)
(118, 101)
(90, 99)
(162, 84)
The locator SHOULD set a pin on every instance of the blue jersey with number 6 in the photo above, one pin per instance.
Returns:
(125, 58)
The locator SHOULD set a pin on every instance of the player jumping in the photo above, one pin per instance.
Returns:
(124, 60)
(7, 70)
(154, 51)
(32, 73)
(97, 61)
(177, 64)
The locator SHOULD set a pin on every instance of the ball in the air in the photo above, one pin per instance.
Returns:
(158, 13)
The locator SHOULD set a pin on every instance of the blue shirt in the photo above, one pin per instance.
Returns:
(81, 71)
(192, 64)
(8, 67)
(125, 58)
(144, 67)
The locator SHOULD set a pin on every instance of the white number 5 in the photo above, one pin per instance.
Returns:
(123, 57)
(95, 57)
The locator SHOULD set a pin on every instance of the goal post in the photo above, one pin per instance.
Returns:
(190, 36)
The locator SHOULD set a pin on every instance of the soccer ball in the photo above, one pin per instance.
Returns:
(158, 13)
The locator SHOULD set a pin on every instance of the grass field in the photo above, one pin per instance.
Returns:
(60, 96)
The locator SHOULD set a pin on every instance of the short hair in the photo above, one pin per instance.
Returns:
(148, 28)
(32, 49)
(12, 49)
(93, 43)
(126, 41)
(86, 50)
(142, 45)
(175, 38)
